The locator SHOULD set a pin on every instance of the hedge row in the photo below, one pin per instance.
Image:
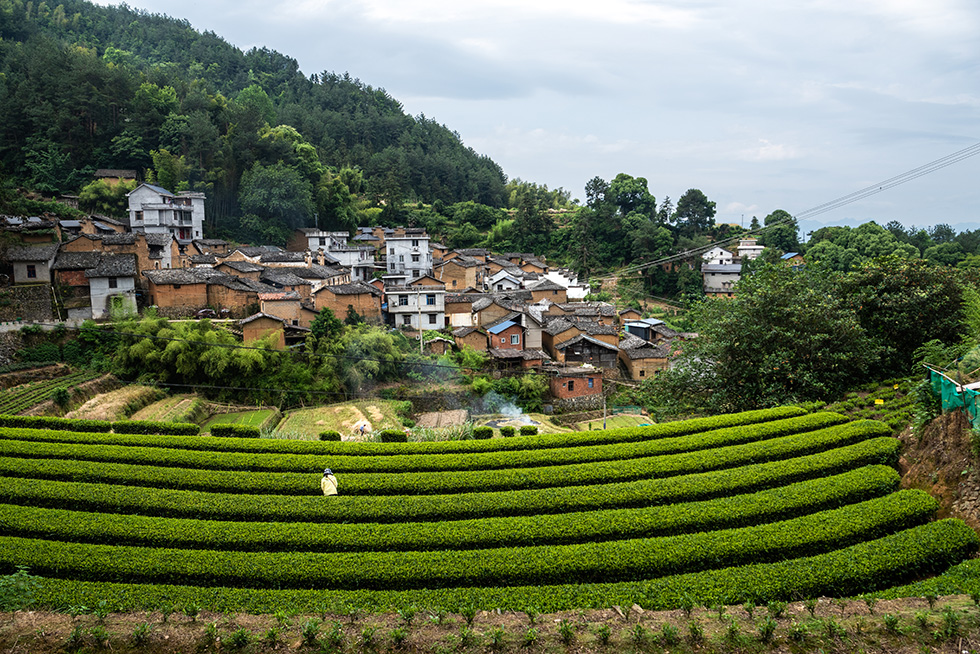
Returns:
(575, 439)
(234, 430)
(53, 423)
(627, 560)
(218, 460)
(146, 427)
(267, 508)
(61, 425)
(723, 513)
(871, 565)
(422, 483)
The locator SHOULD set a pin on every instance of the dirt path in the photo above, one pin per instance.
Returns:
(440, 419)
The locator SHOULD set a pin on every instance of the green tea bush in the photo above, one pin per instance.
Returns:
(393, 436)
(235, 430)
(507, 431)
(529, 430)
(329, 435)
(153, 427)
(482, 432)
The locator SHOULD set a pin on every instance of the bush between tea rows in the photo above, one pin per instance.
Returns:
(634, 559)
(285, 483)
(285, 446)
(868, 566)
(151, 501)
(723, 513)
(217, 460)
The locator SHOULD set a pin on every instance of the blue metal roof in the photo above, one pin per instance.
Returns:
(496, 329)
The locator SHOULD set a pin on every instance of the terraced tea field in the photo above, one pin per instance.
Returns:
(772, 505)
(27, 396)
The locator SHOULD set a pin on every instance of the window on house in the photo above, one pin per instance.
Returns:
(503, 340)
(430, 299)
(571, 385)
(643, 373)
(454, 283)
(295, 323)
(432, 318)
(113, 283)
(415, 258)
(139, 215)
(406, 320)
(31, 271)
(323, 241)
(391, 251)
(515, 339)
(176, 287)
(403, 300)
(401, 257)
(415, 273)
(415, 242)
(591, 382)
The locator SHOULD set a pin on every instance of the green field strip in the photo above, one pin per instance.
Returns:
(426, 483)
(271, 508)
(723, 513)
(623, 560)
(283, 446)
(210, 460)
(867, 566)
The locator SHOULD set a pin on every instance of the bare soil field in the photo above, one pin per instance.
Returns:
(908, 626)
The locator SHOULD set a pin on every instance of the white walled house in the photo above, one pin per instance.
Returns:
(418, 305)
(749, 248)
(112, 286)
(719, 256)
(155, 210)
(408, 257)
(720, 279)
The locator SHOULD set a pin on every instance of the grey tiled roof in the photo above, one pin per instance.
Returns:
(243, 266)
(283, 257)
(354, 288)
(44, 252)
(159, 240)
(114, 265)
(76, 260)
(584, 337)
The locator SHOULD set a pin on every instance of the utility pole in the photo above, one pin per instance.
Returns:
(418, 303)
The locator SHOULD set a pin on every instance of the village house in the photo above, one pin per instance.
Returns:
(260, 325)
(408, 257)
(471, 337)
(641, 359)
(155, 210)
(365, 299)
(32, 263)
(459, 273)
(576, 389)
(112, 285)
(420, 304)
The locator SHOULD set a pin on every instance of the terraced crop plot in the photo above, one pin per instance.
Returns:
(772, 504)
(26, 396)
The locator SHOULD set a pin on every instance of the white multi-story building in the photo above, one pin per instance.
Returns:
(155, 210)
(718, 256)
(419, 305)
(408, 257)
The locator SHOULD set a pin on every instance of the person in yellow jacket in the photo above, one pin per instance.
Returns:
(328, 483)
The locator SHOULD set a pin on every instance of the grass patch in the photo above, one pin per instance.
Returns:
(264, 419)
(615, 422)
(308, 423)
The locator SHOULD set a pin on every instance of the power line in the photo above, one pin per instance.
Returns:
(837, 203)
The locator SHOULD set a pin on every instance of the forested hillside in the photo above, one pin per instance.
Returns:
(84, 87)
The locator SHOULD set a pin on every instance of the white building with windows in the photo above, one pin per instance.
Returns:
(155, 210)
(419, 305)
(407, 257)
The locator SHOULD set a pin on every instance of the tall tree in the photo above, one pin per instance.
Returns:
(695, 214)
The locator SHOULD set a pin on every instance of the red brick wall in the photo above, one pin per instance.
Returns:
(560, 389)
(365, 304)
(505, 335)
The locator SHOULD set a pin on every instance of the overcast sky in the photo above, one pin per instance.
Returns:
(761, 105)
